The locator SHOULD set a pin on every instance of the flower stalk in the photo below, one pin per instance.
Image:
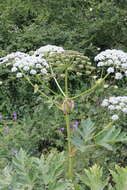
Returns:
(98, 83)
(68, 105)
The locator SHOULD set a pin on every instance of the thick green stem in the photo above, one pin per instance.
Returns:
(70, 166)
(66, 83)
(67, 118)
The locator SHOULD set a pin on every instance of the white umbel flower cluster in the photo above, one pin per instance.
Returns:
(116, 104)
(11, 56)
(48, 48)
(115, 61)
(115, 117)
(34, 64)
(29, 64)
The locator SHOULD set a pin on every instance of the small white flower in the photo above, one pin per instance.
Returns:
(33, 72)
(126, 73)
(115, 117)
(94, 77)
(31, 64)
(44, 71)
(111, 107)
(124, 66)
(106, 86)
(18, 75)
(100, 64)
(16, 64)
(118, 107)
(21, 66)
(39, 66)
(14, 69)
(26, 68)
(110, 62)
(118, 76)
(105, 103)
(113, 100)
(110, 70)
(124, 110)
(122, 104)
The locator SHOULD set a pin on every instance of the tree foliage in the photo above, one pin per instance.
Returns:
(27, 25)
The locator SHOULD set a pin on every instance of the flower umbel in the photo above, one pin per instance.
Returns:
(116, 104)
(115, 62)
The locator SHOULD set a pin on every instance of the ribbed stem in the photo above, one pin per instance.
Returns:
(70, 166)
(67, 119)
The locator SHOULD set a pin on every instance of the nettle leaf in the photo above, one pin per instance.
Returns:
(110, 136)
(120, 178)
(93, 178)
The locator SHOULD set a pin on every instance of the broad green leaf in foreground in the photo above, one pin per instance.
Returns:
(85, 138)
(109, 137)
(120, 178)
(93, 178)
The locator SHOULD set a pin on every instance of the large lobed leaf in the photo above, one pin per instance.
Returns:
(85, 138)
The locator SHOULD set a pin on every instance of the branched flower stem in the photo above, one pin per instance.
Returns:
(91, 89)
(42, 93)
(104, 129)
(46, 86)
(59, 87)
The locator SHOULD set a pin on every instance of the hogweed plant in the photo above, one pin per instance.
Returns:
(52, 63)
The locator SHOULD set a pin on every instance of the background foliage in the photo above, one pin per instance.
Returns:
(27, 25)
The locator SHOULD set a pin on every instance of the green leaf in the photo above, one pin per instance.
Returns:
(110, 136)
(93, 178)
(82, 136)
(120, 177)
(88, 129)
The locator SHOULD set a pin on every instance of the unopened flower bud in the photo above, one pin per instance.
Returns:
(106, 86)
(67, 106)
(78, 59)
(89, 63)
(115, 86)
(88, 72)
(79, 74)
(94, 77)
(58, 62)
(99, 81)
(81, 66)
(62, 75)
(67, 60)
(83, 62)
